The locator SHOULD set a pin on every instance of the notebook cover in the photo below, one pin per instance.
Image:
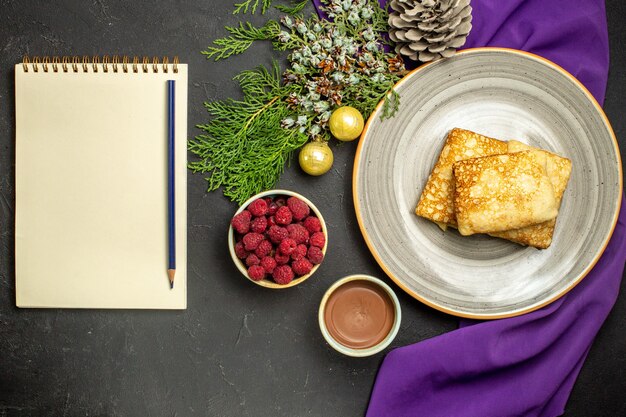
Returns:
(91, 189)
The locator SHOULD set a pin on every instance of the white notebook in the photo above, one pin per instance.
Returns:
(91, 184)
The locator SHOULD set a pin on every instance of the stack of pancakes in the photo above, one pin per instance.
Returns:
(505, 189)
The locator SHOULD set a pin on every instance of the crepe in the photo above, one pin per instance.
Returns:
(503, 192)
(437, 200)
(558, 170)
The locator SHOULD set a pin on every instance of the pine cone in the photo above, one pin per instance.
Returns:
(426, 30)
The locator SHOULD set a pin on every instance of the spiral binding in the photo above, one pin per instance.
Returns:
(114, 64)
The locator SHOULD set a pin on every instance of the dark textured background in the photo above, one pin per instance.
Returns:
(238, 350)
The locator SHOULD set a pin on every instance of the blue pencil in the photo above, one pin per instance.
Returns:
(171, 206)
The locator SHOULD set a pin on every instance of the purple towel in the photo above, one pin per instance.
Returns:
(526, 365)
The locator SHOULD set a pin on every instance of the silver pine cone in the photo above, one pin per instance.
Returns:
(426, 30)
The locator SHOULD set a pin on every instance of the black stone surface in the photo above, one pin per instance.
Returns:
(238, 350)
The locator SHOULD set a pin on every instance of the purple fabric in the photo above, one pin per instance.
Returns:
(571, 33)
(526, 365)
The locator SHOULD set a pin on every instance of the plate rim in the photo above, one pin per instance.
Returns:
(549, 300)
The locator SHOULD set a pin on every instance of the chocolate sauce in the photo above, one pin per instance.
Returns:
(359, 314)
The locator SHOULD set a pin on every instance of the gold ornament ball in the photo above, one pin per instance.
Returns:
(346, 123)
(316, 158)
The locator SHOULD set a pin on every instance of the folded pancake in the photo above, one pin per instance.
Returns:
(437, 200)
(558, 170)
(503, 192)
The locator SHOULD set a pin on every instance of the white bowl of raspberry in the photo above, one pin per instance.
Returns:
(277, 239)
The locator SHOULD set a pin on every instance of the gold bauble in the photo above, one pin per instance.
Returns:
(316, 158)
(346, 123)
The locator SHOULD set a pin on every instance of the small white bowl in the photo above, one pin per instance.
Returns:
(370, 350)
(268, 283)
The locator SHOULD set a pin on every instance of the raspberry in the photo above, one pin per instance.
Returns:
(259, 224)
(271, 221)
(280, 201)
(251, 240)
(271, 209)
(268, 263)
(241, 222)
(240, 251)
(315, 255)
(299, 252)
(301, 266)
(317, 239)
(283, 215)
(281, 259)
(312, 224)
(277, 234)
(252, 259)
(298, 208)
(287, 246)
(298, 233)
(256, 272)
(258, 207)
(283, 274)
(264, 249)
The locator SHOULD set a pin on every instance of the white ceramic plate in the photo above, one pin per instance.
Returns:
(505, 94)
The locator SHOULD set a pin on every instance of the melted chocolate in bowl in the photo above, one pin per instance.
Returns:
(359, 314)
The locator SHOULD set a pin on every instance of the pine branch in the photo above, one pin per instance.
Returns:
(252, 5)
(295, 7)
(241, 39)
(368, 93)
(390, 105)
(259, 82)
(246, 143)
(244, 148)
